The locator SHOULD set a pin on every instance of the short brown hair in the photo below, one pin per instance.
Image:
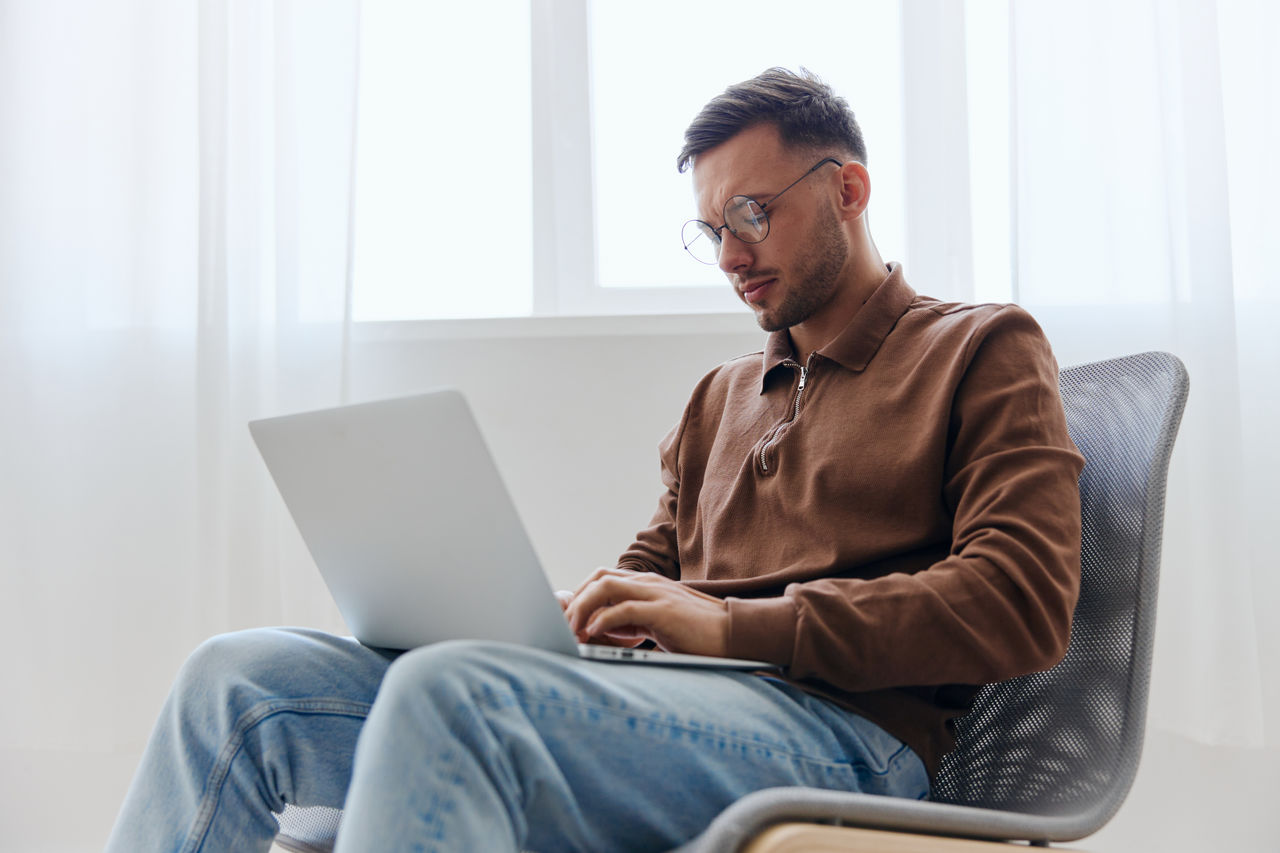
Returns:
(805, 110)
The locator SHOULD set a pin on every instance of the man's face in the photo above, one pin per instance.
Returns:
(795, 272)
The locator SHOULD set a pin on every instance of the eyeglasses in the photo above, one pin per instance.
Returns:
(745, 218)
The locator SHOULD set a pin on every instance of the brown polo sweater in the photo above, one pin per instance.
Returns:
(893, 522)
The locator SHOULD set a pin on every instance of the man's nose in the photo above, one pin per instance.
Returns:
(735, 255)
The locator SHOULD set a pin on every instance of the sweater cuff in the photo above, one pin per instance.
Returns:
(762, 629)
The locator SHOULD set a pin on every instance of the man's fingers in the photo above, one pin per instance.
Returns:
(672, 615)
(608, 588)
(603, 572)
(626, 619)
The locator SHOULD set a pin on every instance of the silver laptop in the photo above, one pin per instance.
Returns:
(407, 518)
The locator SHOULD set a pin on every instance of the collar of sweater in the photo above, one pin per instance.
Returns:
(859, 341)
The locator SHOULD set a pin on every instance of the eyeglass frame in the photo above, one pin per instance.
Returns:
(764, 209)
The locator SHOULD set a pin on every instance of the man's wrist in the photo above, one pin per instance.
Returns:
(761, 629)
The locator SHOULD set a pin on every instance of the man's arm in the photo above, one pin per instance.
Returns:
(999, 604)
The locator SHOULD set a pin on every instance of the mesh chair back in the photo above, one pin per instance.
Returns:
(1066, 742)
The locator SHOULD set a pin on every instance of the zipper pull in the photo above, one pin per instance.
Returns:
(804, 373)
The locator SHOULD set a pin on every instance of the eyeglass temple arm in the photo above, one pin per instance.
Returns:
(764, 205)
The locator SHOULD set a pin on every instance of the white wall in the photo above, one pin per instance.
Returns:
(573, 420)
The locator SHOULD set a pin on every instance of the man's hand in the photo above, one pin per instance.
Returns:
(622, 607)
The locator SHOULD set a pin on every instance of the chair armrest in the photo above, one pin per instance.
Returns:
(757, 811)
(818, 838)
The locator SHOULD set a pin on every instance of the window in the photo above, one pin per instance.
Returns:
(443, 202)
(517, 157)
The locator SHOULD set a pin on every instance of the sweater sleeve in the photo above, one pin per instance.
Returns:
(999, 604)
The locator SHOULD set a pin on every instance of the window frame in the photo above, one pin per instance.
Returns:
(564, 271)
(566, 280)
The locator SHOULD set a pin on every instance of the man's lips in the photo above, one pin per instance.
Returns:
(754, 291)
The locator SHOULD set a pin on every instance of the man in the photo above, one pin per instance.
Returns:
(883, 503)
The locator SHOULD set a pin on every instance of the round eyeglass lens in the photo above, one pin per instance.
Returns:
(701, 241)
(747, 220)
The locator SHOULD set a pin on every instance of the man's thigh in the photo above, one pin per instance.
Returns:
(644, 756)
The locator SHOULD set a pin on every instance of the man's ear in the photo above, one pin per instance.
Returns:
(855, 189)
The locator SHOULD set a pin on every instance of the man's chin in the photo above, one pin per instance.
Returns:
(769, 321)
(780, 315)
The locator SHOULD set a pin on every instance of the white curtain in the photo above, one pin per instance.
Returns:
(175, 197)
(174, 221)
(1144, 177)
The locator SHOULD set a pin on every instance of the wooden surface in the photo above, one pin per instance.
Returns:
(819, 838)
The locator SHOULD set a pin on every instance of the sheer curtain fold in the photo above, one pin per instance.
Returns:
(173, 244)
(1131, 234)
(277, 99)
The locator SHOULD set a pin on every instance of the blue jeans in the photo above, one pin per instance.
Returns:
(478, 746)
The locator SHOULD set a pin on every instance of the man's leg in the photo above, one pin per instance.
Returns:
(255, 720)
(484, 746)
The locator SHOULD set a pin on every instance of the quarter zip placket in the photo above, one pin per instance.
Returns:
(795, 411)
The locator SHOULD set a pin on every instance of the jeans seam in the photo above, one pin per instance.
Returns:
(235, 741)
(522, 695)
(893, 759)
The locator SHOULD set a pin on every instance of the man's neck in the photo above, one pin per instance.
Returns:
(816, 332)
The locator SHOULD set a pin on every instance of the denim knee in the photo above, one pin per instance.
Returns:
(454, 674)
(229, 673)
(452, 661)
(252, 655)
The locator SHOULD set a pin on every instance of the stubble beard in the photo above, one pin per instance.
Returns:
(817, 279)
